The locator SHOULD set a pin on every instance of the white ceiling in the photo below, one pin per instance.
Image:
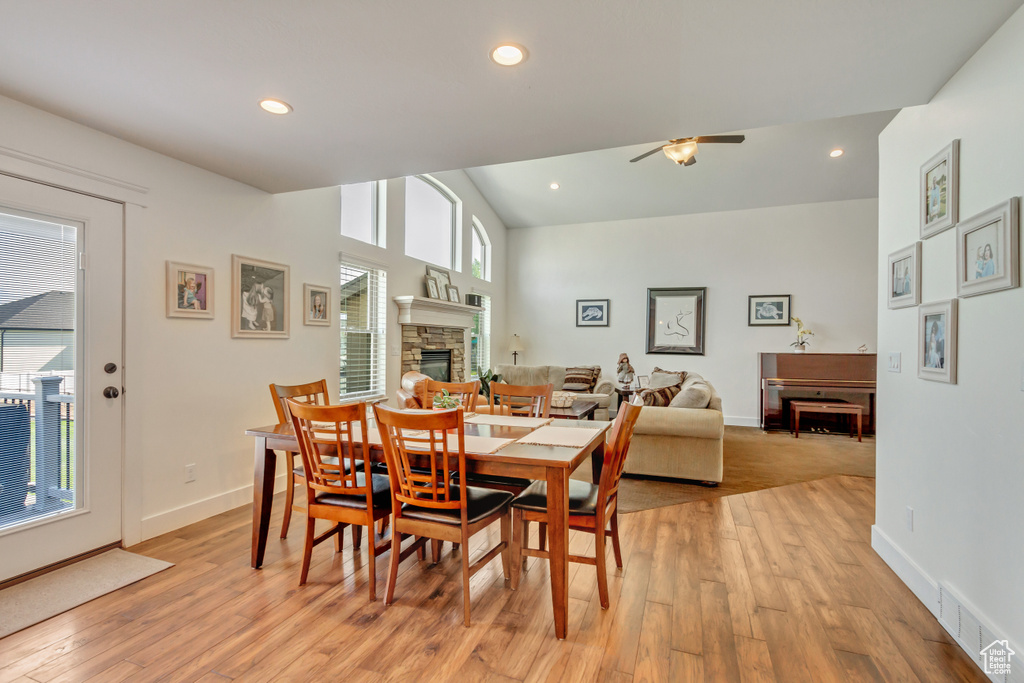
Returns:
(386, 88)
(775, 166)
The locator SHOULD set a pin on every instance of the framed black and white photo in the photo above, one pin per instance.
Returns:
(433, 289)
(676, 319)
(453, 294)
(768, 310)
(592, 312)
(643, 381)
(936, 335)
(987, 255)
(443, 278)
(940, 191)
(316, 304)
(904, 279)
(189, 291)
(259, 299)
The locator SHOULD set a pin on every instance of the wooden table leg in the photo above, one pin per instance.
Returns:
(264, 469)
(796, 423)
(859, 423)
(558, 546)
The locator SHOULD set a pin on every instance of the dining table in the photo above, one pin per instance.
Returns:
(532, 448)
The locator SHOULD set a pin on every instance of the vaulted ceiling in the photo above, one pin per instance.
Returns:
(389, 88)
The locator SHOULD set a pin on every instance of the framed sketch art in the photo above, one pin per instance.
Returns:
(189, 291)
(675, 320)
(936, 335)
(443, 278)
(768, 310)
(987, 256)
(259, 299)
(940, 191)
(316, 304)
(904, 280)
(592, 312)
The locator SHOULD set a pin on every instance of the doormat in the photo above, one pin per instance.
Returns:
(38, 599)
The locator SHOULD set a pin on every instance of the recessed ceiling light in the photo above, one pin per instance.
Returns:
(837, 152)
(508, 54)
(554, 186)
(275, 106)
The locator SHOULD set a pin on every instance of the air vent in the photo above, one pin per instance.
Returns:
(973, 635)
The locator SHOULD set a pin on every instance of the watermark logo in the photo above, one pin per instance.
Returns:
(997, 658)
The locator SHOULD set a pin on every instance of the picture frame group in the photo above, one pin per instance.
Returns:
(438, 282)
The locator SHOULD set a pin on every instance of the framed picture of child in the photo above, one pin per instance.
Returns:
(940, 191)
(316, 305)
(905, 277)
(259, 299)
(936, 344)
(987, 255)
(189, 291)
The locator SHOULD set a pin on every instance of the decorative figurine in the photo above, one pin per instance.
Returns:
(625, 370)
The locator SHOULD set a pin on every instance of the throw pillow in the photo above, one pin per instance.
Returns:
(580, 379)
(665, 378)
(659, 397)
(692, 395)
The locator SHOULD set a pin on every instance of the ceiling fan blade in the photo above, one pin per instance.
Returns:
(647, 154)
(721, 138)
(690, 162)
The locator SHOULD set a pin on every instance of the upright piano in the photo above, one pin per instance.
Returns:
(786, 377)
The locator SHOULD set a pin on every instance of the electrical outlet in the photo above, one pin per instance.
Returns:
(895, 361)
(190, 473)
(910, 518)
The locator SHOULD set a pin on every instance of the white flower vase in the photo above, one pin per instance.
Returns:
(800, 348)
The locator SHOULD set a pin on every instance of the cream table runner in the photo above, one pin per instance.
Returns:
(571, 437)
(508, 421)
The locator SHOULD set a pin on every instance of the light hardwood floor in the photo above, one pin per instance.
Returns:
(773, 585)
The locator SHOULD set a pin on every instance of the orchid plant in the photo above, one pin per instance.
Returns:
(801, 334)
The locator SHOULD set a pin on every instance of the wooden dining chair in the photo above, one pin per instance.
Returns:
(312, 393)
(592, 508)
(428, 505)
(338, 487)
(527, 401)
(466, 392)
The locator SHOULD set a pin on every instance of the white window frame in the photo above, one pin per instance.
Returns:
(483, 340)
(376, 327)
(456, 226)
(485, 250)
(378, 214)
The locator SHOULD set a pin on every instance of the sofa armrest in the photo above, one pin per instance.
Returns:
(699, 423)
(406, 401)
(604, 386)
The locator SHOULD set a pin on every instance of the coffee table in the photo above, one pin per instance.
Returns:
(581, 409)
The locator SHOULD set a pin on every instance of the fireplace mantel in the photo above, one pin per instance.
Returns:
(418, 310)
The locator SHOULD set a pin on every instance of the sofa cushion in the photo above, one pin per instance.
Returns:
(659, 397)
(692, 394)
(583, 378)
(532, 375)
(665, 378)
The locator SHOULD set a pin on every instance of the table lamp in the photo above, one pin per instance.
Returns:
(515, 346)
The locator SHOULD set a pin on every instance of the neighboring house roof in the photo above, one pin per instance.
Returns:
(50, 311)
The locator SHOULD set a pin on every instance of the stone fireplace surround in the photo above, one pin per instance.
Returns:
(417, 338)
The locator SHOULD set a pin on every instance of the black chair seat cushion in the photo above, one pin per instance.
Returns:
(331, 461)
(382, 468)
(486, 480)
(582, 497)
(480, 503)
(381, 494)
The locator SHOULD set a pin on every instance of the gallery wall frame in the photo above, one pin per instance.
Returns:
(939, 189)
(260, 292)
(987, 251)
(904, 277)
(937, 341)
(189, 291)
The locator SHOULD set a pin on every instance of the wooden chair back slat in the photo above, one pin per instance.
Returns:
(615, 453)
(466, 392)
(513, 399)
(409, 436)
(312, 393)
(330, 438)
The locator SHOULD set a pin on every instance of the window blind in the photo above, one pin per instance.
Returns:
(480, 353)
(363, 324)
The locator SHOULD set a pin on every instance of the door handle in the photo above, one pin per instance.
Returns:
(111, 392)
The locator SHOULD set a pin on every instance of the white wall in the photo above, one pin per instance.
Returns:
(192, 390)
(954, 453)
(823, 254)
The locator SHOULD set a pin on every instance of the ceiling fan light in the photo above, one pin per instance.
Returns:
(681, 152)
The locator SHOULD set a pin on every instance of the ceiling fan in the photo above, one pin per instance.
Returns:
(683, 150)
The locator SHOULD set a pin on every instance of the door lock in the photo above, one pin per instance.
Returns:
(110, 368)
(111, 392)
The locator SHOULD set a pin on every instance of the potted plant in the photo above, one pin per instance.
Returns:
(485, 383)
(802, 333)
(445, 401)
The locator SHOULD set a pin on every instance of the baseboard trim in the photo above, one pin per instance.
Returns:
(742, 422)
(169, 520)
(915, 578)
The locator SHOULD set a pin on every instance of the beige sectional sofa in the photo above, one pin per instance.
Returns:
(528, 375)
(684, 443)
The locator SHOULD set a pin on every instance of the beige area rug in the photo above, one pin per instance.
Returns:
(35, 600)
(754, 460)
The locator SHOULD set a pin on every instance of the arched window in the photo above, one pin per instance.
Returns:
(431, 222)
(481, 252)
